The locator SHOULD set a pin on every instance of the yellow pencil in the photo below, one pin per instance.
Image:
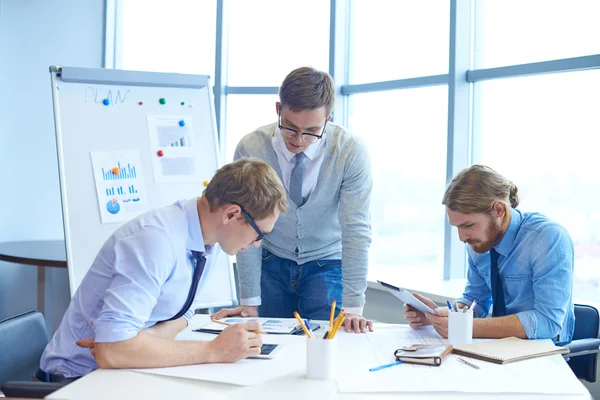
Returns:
(216, 321)
(338, 323)
(302, 325)
(333, 303)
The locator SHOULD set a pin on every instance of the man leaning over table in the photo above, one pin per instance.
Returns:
(520, 263)
(140, 291)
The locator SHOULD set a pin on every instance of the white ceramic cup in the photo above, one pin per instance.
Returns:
(321, 358)
(460, 327)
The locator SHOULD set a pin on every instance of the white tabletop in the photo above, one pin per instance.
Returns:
(122, 384)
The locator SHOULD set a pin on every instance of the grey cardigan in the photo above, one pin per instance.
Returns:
(333, 223)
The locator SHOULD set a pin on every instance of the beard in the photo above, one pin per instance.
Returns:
(494, 233)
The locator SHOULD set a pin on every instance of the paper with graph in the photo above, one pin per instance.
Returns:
(119, 185)
(175, 154)
(535, 376)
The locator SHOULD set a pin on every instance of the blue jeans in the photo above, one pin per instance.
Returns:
(307, 288)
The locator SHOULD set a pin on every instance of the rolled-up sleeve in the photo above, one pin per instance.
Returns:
(142, 264)
(552, 275)
(477, 289)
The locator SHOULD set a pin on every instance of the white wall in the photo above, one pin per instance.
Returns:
(35, 34)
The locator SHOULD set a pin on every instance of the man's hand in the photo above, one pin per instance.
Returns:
(357, 323)
(236, 342)
(415, 317)
(439, 320)
(244, 311)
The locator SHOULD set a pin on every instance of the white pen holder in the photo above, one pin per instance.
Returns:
(460, 327)
(321, 358)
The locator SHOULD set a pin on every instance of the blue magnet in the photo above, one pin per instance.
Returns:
(182, 123)
(106, 102)
(58, 74)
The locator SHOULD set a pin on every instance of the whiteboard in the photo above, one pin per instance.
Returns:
(84, 125)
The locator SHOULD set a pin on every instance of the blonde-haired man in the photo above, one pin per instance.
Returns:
(140, 291)
(319, 251)
(520, 264)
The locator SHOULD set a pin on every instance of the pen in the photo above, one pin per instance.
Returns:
(467, 363)
(449, 305)
(473, 305)
(385, 366)
(308, 326)
(216, 321)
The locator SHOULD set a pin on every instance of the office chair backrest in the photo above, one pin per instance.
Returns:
(587, 323)
(22, 341)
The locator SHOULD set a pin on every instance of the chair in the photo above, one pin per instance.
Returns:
(583, 358)
(22, 341)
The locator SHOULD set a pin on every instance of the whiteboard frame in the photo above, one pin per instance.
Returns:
(128, 78)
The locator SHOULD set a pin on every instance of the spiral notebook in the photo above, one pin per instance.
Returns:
(507, 350)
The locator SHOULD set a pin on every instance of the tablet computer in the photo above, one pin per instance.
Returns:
(407, 297)
(267, 351)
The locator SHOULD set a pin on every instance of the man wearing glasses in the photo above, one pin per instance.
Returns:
(140, 291)
(318, 251)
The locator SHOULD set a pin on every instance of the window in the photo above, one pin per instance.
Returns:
(519, 32)
(270, 38)
(540, 132)
(406, 134)
(393, 39)
(173, 36)
(246, 113)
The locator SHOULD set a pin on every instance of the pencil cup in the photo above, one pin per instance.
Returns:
(321, 358)
(460, 327)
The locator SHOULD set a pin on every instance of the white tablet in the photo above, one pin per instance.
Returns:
(407, 297)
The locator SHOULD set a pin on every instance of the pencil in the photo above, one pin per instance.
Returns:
(337, 326)
(302, 325)
(333, 303)
(216, 321)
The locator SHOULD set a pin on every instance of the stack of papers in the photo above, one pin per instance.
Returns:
(278, 326)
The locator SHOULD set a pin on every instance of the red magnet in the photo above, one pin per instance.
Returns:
(160, 153)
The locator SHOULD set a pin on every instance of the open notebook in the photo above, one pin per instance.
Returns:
(508, 350)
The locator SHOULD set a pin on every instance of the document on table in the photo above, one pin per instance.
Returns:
(535, 376)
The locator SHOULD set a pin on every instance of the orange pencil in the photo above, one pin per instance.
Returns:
(339, 321)
(216, 321)
(333, 303)
(302, 325)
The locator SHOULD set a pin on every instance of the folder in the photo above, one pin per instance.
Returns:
(507, 350)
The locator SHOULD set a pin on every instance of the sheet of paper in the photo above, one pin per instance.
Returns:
(543, 375)
(175, 153)
(119, 185)
(269, 325)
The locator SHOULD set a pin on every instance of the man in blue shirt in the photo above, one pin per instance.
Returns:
(520, 264)
(140, 291)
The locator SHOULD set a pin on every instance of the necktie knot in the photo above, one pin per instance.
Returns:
(300, 158)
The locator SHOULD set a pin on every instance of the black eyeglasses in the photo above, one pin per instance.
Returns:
(250, 220)
(307, 137)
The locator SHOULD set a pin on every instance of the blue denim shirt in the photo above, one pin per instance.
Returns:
(536, 267)
(141, 276)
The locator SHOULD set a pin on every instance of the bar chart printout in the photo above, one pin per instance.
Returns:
(119, 185)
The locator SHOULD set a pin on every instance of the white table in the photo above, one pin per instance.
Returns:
(121, 384)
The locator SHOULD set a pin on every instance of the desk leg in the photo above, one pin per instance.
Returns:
(41, 290)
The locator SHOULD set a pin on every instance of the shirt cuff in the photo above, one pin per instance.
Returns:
(251, 302)
(114, 332)
(529, 321)
(354, 310)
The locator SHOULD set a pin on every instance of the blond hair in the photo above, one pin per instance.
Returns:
(250, 183)
(307, 88)
(475, 190)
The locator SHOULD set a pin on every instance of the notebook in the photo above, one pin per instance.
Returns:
(289, 326)
(503, 351)
(425, 354)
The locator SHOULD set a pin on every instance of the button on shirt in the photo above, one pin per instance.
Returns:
(141, 276)
(536, 268)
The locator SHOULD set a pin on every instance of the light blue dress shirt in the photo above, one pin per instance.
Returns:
(141, 276)
(536, 268)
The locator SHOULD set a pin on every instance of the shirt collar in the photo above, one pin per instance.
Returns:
(508, 239)
(195, 241)
(310, 151)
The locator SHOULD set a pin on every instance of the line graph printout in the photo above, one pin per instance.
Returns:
(541, 375)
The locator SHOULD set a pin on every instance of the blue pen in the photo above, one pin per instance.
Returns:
(307, 326)
(449, 305)
(385, 366)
